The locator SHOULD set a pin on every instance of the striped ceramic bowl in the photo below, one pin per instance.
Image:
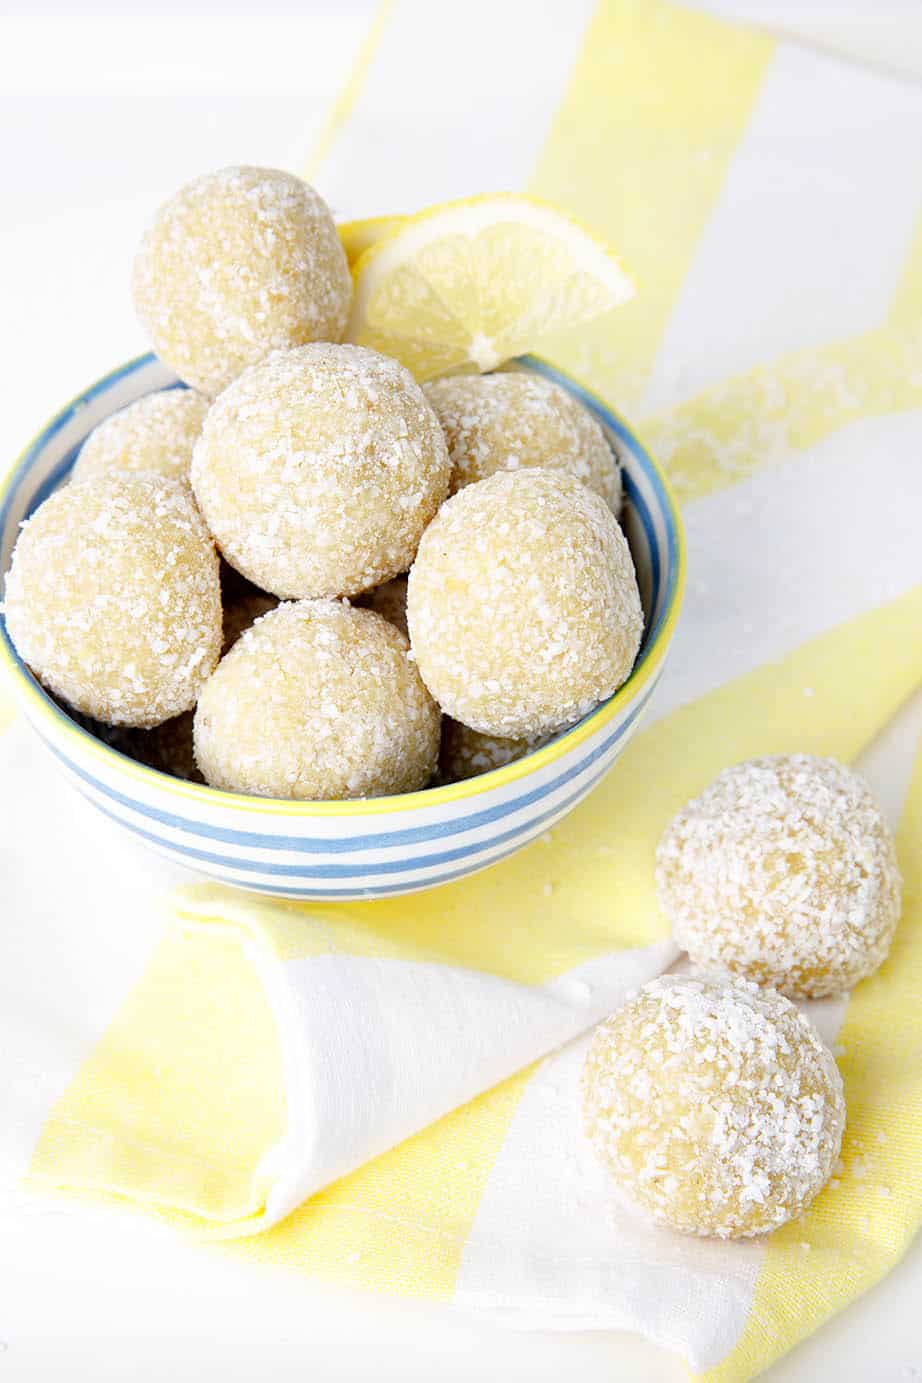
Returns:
(385, 845)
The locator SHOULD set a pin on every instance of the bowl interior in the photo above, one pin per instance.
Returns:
(650, 521)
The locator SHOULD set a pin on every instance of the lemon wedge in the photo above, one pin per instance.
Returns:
(470, 284)
(358, 236)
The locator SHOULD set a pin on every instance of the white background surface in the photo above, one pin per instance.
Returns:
(102, 112)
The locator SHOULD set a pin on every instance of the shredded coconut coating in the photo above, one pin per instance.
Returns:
(114, 600)
(523, 605)
(319, 469)
(317, 700)
(466, 753)
(155, 433)
(237, 264)
(714, 1104)
(784, 871)
(390, 600)
(509, 420)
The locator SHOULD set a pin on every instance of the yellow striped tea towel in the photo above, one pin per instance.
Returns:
(254, 1055)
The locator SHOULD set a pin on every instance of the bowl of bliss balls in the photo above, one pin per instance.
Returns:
(302, 623)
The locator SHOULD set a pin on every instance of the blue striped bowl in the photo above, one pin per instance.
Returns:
(382, 846)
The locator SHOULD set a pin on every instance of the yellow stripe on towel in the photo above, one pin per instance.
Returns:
(724, 434)
(190, 1067)
(348, 96)
(639, 149)
(793, 402)
(178, 1102)
(858, 1229)
(400, 1223)
(407, 1215)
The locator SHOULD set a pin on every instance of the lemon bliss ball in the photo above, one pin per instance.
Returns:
(319, 469)
(239, 263)
(523, 605)
(155, 433)
(714, 1105)
(784, 871)
(316, 701)
(113, 598)
(506, 421)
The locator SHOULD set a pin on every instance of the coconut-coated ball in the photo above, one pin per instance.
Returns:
(466, 753)
(114, 600)
(319, 469)
(714, 1105)
(784, 871)
(523, 605)
(390, 600)
(504, 421)
(155, 433)
(237, 264)
(317, 700)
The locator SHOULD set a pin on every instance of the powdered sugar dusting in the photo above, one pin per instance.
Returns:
(113, 598)
(155, 433)
(317, 700)
(319, 469)
(714, 1104)
(523, 605)
(237, 264)
(510, 420)
(783, 870)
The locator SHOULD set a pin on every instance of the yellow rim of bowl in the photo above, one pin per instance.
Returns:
(46, 709)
